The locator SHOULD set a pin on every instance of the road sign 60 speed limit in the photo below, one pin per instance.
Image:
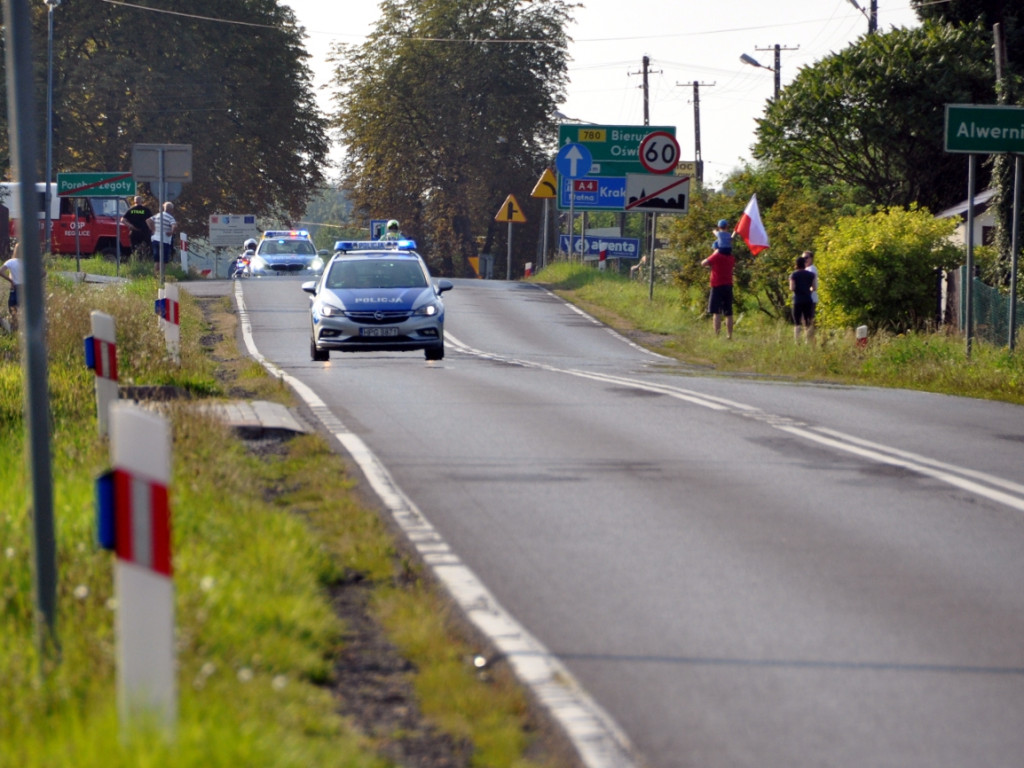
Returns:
(659, 152)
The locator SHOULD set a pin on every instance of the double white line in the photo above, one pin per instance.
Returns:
(979, 483)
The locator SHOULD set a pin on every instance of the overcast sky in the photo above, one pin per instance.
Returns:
(686, 40)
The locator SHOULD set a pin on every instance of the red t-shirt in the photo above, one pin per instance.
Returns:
(721, 268)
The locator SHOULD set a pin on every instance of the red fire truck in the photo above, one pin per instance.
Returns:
(80, 225)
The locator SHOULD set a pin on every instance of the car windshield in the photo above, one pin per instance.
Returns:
(376, 273)
(274, 247)
(106, 206)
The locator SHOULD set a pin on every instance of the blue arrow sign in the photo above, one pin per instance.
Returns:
(573, 161)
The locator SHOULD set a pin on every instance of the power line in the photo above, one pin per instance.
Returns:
(191, 15)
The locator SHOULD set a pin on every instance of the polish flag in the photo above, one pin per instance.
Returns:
(751, 229)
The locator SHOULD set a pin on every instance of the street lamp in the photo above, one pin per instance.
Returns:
(746, 59)
(872, 17)
(51, 5)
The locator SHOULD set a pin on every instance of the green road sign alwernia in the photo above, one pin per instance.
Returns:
(984, 129)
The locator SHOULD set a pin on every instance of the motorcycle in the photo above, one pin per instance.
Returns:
(242, 266)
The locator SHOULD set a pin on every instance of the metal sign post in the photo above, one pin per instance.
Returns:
(162, 163)
(510, 212)
(21, 110)
(986, 129)
(546, 189)
(573, 161)
(1018, 161)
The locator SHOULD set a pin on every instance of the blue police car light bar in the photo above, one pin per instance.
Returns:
(271, 233)
(375, 245)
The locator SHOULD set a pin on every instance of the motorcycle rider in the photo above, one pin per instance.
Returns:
(392, 232)
(241, 268)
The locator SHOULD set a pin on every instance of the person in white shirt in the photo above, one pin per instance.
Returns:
(12, 272)
(162, 227)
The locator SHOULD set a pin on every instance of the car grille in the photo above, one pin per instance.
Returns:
(379, 317)
(287, 267)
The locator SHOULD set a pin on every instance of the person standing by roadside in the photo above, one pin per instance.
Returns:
(720, 302)
(162, 227)
(801, 285)
(12, 272)
(809, 264)
(136, 218)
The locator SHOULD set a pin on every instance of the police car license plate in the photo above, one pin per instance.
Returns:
(378, 331)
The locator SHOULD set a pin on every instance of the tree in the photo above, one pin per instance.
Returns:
(447, 109)
(1007, 13)
(872, 115)
(881, 270)
(793, 211)
(226, 76)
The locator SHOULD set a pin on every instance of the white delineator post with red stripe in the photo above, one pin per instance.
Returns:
(183, 250)
(169, 310)
(140, 448)
(101, 356)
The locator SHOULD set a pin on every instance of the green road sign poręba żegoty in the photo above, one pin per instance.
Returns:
(96, 184)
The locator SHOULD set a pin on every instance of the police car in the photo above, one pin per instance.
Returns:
(376, 296)
(286, 252)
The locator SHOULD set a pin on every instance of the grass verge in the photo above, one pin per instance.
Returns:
(269, 535)
(674, 323)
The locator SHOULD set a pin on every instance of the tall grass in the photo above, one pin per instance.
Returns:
(674, 323)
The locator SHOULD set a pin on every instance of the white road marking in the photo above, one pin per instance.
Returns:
(598, 739)
(979, 483)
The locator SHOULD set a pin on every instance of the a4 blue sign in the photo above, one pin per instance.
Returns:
(593, 192)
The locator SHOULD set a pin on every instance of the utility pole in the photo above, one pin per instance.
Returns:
(871, 15)
(648, 218)
(645, 72)
(696, 130)
(647, 98)
(778, 64)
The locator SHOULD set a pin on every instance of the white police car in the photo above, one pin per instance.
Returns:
(286, 252)
(376, 296)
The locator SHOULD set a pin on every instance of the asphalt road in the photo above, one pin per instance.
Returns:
(741, 573)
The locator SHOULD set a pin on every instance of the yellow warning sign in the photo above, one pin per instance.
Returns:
(547, 186)
(510, 211)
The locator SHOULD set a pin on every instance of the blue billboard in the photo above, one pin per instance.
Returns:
(615, 247)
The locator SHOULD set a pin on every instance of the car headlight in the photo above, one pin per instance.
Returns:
(258, 262)
(428, 310)
(316, 264)
(326, 310)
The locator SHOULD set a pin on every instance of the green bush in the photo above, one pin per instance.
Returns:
(881, 270)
